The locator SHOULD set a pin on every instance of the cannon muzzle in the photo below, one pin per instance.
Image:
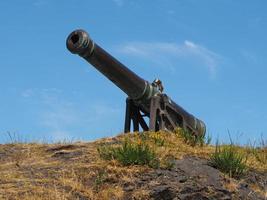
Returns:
(79, 42)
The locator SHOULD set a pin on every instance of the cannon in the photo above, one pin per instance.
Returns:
(145, 99)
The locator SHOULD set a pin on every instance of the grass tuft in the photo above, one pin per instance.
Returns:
(130, 153)
(100, 179)
(260, 151)
(229, 160)
(168, 162)
(192, 139)
(158, 139)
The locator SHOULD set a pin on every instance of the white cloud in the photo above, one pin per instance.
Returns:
(164, 53)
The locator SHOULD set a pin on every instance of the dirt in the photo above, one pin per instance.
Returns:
(25, 168)
(193, 179)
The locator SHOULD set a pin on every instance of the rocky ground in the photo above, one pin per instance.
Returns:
(75, 171)
(192, 178)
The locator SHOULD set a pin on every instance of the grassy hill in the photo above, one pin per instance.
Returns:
(133, 166)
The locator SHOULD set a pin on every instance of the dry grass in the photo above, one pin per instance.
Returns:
(231, 185)
(76, 171)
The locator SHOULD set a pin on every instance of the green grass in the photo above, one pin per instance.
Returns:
(158, 140)
(192, 139)
(259, 151)
(130, 153)
(229, 160)
(100, 179)
(168, 162)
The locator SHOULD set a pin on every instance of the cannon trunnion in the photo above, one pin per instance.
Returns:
(144, 99)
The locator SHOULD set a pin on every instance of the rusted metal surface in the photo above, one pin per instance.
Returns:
(144, 99)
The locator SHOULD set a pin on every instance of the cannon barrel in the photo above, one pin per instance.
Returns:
(79, 42)
(164, 113)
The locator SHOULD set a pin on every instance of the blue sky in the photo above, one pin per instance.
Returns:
(210, 55)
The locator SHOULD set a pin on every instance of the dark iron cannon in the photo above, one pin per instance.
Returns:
(144, 99)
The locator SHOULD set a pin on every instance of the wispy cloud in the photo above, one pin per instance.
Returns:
(249, 56)
(102, 111)
(39, 3)
(164, 53)
(27, 93)
(170, 12)
(207, 56)
(60, 135)
(118, 2)
(59, 116)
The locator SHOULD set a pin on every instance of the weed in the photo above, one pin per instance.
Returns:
(100, 178)
(192, 139)
(228, 160)
(106, 151)
(168, 162)
(208, 139)
(143, 136)
(158, 139)
(130, 153)
(15, 138)
(260, 151)
(261, 155)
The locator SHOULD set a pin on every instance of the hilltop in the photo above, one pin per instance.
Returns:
(130, 166)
